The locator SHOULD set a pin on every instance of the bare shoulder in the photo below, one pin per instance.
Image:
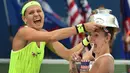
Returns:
(106, 64)
(19, 40)
(25, 30)
(103, 61)
(107, 60)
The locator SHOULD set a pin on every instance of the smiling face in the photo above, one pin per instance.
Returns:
(34, 17)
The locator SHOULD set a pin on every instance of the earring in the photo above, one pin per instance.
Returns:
(25, 22)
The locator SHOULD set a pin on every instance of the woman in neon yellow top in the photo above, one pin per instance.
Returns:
(30, 40)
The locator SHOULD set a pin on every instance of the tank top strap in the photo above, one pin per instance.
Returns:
(107, 54)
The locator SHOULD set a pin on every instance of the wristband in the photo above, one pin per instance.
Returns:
(85, 42)
(80, 28)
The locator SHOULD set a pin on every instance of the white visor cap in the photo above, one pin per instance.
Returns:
(104, 19)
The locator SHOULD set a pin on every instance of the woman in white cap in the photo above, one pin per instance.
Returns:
(102, 39)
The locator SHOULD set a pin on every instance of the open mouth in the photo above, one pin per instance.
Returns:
(93, 45)
(37, 21)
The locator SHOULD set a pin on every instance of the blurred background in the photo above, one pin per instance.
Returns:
(61, 14)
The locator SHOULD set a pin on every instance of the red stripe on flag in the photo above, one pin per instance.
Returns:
(74, 17)
(71, 5)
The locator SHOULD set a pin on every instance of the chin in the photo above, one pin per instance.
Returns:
(38, 28)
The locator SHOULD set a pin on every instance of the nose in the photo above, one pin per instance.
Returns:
(36, 14)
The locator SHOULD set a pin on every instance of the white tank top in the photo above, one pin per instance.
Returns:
(92, 62)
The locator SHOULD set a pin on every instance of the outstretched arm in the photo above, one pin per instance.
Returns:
(30, 34)
(64, 52)
(61, 50)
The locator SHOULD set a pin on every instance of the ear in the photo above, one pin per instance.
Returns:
(108, 38)
(24, 19)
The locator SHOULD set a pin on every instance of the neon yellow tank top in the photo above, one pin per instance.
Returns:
(28, 59)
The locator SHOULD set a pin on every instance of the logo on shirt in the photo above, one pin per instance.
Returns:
(35, 54)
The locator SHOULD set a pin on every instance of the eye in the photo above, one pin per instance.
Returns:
(96, 35)
(32, 12)
(39, 11)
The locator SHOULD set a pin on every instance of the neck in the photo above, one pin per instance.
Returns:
(102, 51)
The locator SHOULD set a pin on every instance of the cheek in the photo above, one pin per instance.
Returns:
(29, 18)
(41, 14)
(99, 40)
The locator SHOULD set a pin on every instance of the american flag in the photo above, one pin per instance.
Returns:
(85, 9)
(75, 17)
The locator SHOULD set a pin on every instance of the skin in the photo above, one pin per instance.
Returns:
(104, 64)
(32, 31)
(127, 39)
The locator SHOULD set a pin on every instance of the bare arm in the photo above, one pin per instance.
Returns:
(61, 50)
(30, 34)
(106, 65)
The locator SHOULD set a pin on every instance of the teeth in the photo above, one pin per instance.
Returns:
(37, 22)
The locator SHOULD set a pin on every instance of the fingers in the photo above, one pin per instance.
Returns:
(92, 26)
(80, 51)
(99, 25)
(75, 57)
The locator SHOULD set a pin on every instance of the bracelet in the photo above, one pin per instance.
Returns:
(85, 42)
(80, 28)
(84, 67)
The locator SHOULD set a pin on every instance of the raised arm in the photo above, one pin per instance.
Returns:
(34, 35)
(62, 51)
